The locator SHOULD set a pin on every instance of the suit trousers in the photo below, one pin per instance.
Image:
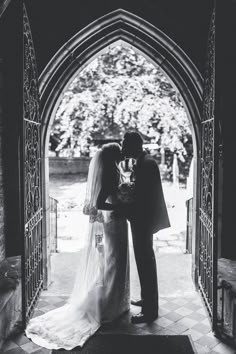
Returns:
(146, 266)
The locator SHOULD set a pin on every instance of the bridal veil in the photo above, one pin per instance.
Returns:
(72, 324)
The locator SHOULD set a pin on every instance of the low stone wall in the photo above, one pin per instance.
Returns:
(65, 166)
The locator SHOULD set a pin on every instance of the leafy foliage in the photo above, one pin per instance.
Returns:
(118, 91)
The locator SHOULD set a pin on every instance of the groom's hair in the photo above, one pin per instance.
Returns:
(134, 139)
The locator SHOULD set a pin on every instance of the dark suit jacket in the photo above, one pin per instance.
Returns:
(149, 208)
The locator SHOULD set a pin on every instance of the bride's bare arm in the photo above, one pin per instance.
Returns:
(120, 209)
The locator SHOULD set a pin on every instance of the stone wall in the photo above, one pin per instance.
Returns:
(2, 236)
(12, 95)
(65, 166)
(226, 108)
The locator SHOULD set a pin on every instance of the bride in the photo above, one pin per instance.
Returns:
(101, 289)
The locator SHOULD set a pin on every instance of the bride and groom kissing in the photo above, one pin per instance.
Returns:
(101, 292)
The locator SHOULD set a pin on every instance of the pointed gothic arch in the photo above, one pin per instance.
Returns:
(121, 25)
(155, 45)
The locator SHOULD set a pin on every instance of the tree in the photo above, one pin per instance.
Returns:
(121, 87)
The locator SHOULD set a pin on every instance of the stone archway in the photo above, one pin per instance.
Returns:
(133, 31)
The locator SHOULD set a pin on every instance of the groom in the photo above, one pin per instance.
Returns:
(147, 215)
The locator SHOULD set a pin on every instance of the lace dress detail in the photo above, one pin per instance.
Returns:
(65, 327)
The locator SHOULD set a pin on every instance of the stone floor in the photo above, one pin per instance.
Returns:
(181, 309)
(178, 315)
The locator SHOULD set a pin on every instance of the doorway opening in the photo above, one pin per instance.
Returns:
(120, 90)
(159, 50)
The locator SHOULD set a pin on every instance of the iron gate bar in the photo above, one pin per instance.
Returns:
(31, 183)
(34, 220)
(207, 279)
(30, 121)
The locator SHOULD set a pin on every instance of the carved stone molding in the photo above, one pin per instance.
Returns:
(3, 6)
(123, 27)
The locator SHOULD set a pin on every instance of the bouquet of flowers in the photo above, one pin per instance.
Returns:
(127, 184)
(126, 192)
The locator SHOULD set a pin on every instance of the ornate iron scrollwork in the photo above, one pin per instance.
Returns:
(207, 182)
(33, 266)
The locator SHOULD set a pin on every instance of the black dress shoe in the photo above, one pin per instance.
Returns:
(142, 318)
(137, 302)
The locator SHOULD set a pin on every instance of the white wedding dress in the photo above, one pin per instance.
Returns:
(102, 288)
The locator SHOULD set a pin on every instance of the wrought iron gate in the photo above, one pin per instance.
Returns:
(207, 277)
(32, 201)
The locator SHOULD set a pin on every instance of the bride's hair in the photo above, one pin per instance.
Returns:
(111, 155)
